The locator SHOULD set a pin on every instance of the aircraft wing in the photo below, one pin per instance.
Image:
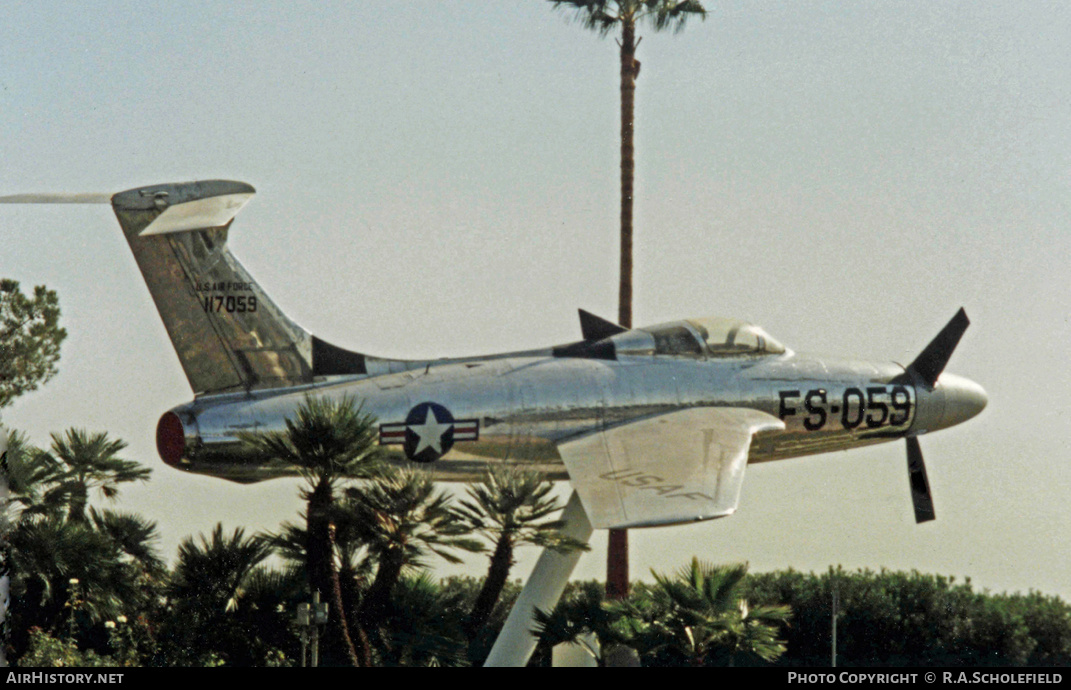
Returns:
(677, 467)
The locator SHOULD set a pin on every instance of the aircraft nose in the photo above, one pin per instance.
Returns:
(952, 401)
(963, 398)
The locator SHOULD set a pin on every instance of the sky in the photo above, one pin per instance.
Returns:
(441, 179)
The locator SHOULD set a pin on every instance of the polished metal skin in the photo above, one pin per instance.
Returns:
(527, 404)
(653, 425)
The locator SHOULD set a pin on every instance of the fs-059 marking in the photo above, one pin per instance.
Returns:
(871, 407)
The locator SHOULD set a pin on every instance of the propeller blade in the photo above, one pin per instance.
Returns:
(84, 198)
(931, 362)
(920, 486)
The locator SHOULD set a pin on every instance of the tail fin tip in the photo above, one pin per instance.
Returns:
(186, 206)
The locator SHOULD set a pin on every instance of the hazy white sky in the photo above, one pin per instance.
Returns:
(440, 178)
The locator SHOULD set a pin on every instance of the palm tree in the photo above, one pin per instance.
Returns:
(581, 612)
(402, 518)
(353, 567)
(426, 624)
(291, 540)
(206, 598)
(213, 572)
(511, 508)
(134, 535)
(75, 567)
(700, 617)
(606, 16)
(134, 540)
(328, 440)
(86, 462)
(67, 576)
(30, 474)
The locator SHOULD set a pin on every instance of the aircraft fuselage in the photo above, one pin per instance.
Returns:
(517, 409)
(652, 426)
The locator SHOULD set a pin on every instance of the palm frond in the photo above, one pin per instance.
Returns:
(135, 535)
(215, 569)
(325, 439)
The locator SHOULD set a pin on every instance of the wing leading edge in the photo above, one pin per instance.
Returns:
(682, 466)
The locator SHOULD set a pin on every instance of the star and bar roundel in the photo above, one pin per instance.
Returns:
(428, 432)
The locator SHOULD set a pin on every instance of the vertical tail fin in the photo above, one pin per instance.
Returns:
(227, 332)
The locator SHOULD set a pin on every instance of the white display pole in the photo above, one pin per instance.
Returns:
(544, 588)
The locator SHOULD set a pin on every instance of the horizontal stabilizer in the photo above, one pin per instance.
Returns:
(83, 198)
(214, 212)
(186, 207)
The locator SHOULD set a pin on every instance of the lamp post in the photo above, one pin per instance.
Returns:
(310, 616)
(836, 606)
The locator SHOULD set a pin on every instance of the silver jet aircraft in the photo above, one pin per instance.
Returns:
(652, 426)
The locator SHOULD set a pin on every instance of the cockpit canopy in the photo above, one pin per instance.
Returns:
(709, 337)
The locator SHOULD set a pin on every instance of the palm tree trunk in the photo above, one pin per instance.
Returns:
(628, 168)
(339, 613)
(350, 595)
(318, 538)
(323, 577)
(79, 499)
(617, 552)
(497, 575)
(376, 602)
